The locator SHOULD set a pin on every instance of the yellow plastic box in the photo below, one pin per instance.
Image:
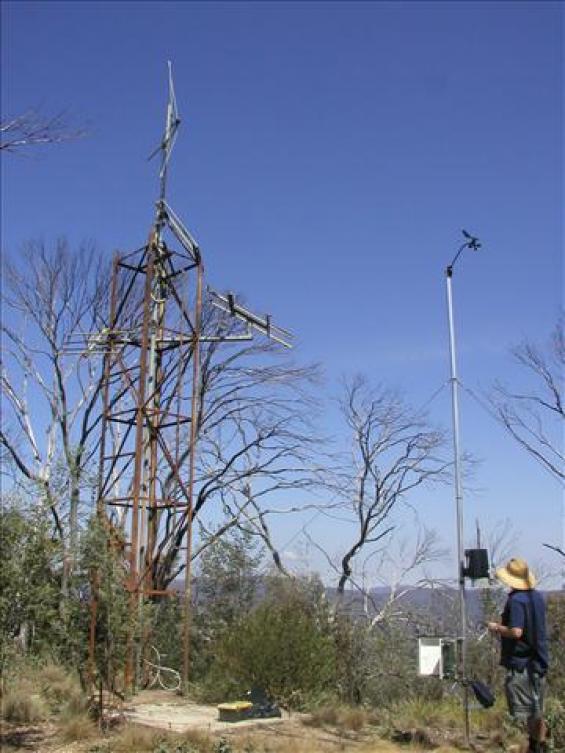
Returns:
(234, 712)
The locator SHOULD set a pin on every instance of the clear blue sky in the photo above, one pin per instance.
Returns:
(329, 155)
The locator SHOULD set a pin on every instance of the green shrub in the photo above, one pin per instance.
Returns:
(29, 588)
(222, 746)
(174, 746)
(100, 555)
(556, 630)
(284, 645)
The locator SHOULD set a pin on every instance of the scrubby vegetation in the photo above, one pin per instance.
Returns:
(249, 629)
(36, 691)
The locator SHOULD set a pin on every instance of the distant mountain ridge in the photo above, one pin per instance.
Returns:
(434, 609)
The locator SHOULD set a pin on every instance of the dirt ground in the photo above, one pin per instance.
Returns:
(175, 714)
(164, 711)
(288, 735)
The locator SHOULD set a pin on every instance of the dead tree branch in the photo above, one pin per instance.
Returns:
(49, 389)
(393, 452)
(534, 416)
(33, 129)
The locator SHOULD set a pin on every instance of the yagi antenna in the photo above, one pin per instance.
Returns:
(229, 304)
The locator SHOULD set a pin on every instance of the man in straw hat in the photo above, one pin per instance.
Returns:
(524, 650)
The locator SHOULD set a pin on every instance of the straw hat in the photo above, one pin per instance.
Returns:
(517, 575)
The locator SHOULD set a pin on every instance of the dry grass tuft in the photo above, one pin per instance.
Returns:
(283, 745)
(310, 743)
(22, 707)
(52, 674)
(198, 739)
(352, 718)
(42, 691)
(137, 739)
(61, 689)
(430, 723)
(77, 727)
(323, 716)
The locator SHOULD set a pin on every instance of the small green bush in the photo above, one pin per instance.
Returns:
(284, 645)
(222, 746)
(174, 746)
(555, 717)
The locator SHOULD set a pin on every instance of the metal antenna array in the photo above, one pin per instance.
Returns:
(150, 395)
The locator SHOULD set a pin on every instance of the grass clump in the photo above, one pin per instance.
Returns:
(22, 707)
(351, 718)
(201, 741)
(78, 726)
(418, 712)
(137, 739)
(555, 716)
(323, 716)
(45, 689)
(61, 689)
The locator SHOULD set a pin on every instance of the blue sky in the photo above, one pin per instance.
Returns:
(329, 155)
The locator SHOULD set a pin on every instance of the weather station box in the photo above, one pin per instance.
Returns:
(477, 566)
(436, 657)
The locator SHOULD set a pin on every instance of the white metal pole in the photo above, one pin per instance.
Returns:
(462, 638)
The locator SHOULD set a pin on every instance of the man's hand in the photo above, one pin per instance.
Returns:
(496, 628)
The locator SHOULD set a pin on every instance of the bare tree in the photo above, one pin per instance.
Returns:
(398, 567)
(401, 570)
(256, 441)
(33, 129)
(500, 541)
(557, 549)
(256, 445)
(534, 416)
(49, 389)
(393, 451)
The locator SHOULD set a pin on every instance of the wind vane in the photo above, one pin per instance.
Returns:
(471, 242)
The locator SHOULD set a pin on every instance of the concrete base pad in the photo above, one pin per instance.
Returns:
(167, 711)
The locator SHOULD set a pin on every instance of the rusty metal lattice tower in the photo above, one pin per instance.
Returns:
(150, 395)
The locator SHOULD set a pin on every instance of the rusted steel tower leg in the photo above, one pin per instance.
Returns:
(100, 511)
(149, 507)
(138, 480)
(187, 616)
